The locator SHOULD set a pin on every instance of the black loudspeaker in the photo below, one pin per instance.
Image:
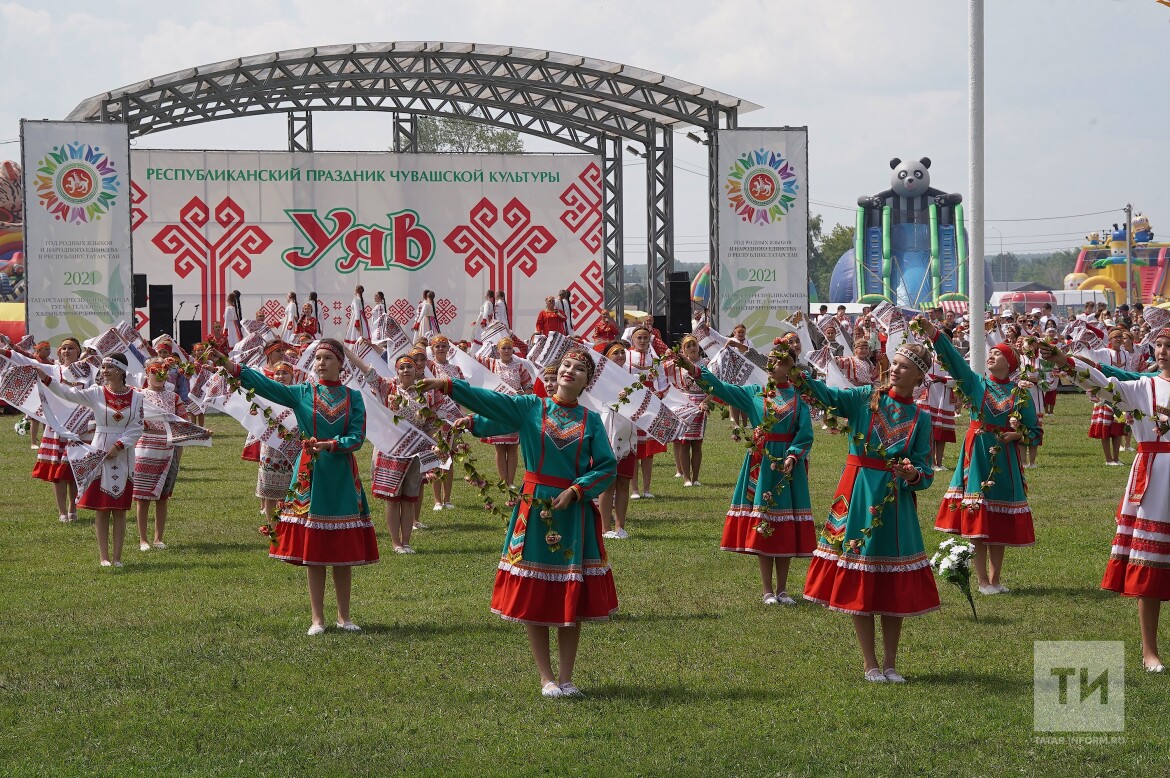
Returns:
(161, 309)
(680, 275)
(190, 333)
(138, 296)
(678, 308)
(662, 324)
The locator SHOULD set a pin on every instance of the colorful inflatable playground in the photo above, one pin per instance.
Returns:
(12, 279)
(910, 245)
(1101, 263)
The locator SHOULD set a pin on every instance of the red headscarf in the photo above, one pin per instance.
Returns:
(1010, 355)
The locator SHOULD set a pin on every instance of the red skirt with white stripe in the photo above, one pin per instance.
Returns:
(879, 587)
(1133, 569)
(52, 461)
(94, 499)
(1103, 423)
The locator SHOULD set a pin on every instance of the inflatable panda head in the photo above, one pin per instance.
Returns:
(910, 179)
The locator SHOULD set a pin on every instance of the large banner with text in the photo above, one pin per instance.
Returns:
(77, 226)
(267, 223)
(763, 228)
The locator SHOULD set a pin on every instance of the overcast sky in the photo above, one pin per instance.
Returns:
(1077, 94)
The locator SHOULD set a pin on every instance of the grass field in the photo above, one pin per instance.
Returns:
(194, 661)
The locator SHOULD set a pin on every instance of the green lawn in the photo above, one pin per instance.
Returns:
(194, 660)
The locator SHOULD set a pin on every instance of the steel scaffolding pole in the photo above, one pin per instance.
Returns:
(659, 216)
(405, 133)
(713, 219)
(300, 130)
(613, 259)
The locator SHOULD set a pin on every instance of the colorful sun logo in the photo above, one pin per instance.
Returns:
(77, 183)
(761, 187)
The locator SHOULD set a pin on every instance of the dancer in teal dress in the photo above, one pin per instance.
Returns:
(870, 559)
(771, 512)
(990, 508)
(325, 521)
(553, 571)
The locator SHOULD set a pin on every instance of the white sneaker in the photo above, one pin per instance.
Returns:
(438, 507)
(419, 525)
(621, 534)
(635, 496)
(448, 506)
(407, 550)
(989, 589)
(770, 599)
(875, 676)
(680, 475)
(1002, 589)
(647, 496)
(159, 545)
(348, 626)
(695, 483)
(106, 563)
(893, 676)
(688, 483)
(611, 535)
(784, 599)
(144, 547)
(551, 689)
(316, 629)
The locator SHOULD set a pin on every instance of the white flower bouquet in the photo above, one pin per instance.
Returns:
(952, 563)
(22, 427)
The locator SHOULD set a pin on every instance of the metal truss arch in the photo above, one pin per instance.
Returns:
(588, 104)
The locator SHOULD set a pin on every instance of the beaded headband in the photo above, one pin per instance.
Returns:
(331, 349)
(505, 342)
(111, 362)
(582, 355)
(917, 361)
(440, 339)
(404, 358)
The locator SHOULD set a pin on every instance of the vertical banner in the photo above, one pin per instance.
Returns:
(77, 226)
(763, 228)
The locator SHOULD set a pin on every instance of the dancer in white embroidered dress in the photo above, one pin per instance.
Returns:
(156, 461)
(118, 412)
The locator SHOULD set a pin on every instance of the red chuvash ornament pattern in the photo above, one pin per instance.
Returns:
(138, 196)
(272, 313)
(500, 250)
(401, 311)
(445, 311)
(232, 252)
(583, 214)
(588, 295)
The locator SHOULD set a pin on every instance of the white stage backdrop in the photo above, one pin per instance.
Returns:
(77, 226)
(763, 228)
(266, 223)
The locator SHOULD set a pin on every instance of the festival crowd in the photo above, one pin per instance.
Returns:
(576, 419)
